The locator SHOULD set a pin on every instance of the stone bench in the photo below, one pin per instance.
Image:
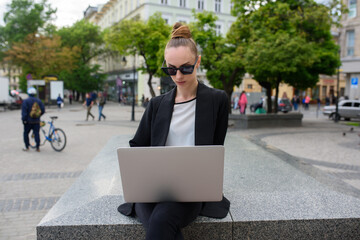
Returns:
(270, 199)
(267, 120)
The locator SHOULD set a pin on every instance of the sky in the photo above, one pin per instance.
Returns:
(68, 11)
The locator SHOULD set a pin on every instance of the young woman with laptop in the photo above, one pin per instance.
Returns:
(191, 114)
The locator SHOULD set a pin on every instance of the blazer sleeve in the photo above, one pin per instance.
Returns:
(142, 136)
(222, 119)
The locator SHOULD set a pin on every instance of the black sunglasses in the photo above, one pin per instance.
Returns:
(186, 70)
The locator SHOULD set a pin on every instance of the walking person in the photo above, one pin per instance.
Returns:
(59, 101)
(242, 102)
(101, 103)
(70, 98)
(236, 102)
(31, 110)
(88, 103)
(190, 114)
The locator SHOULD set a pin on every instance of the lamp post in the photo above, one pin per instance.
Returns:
(133, 93)
(337, 92)
(132, 89)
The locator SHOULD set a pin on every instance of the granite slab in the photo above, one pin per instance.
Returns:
(271, 198)
(88, 210)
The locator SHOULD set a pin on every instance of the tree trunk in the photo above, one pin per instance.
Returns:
(228, 88)
(152, 92)
(267, 86)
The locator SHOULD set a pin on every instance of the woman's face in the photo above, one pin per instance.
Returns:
(182, 56)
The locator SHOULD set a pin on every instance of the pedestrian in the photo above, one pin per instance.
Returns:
(198, 116)
(31, 110)
(236, 100)
(101, 102)
(70, 98)
(59, 101)
(294, 102)
(242, 102)
(88, 103)
(142, 100)
(307, 102)
(327, 101)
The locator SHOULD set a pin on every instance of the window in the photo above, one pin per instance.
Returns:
(200, 5)
(249, 86)
(356, 104)
(217, 5)
(347, 104)
(182, 3)
(218, 29)
(165, 2)
(350, 43)
(352, 8)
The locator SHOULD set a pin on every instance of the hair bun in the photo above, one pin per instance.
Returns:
(180, 31)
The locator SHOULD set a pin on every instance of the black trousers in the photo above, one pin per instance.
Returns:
(36, 129)
(164, 220)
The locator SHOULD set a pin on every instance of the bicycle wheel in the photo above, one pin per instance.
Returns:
(58, 139)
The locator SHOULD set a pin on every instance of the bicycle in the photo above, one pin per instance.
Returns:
(55, 136)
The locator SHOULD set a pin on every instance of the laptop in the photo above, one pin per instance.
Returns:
(181, 174)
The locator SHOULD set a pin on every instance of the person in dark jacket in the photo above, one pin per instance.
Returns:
(29, 122)
(190, 114)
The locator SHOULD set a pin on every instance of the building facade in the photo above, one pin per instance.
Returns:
(350, 48)
(121, 74)
(12, 73)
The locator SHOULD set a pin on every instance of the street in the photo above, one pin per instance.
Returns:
(32, 182)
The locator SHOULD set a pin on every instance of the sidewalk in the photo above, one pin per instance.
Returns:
(32, 182)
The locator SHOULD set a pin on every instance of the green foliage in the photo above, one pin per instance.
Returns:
(147, 39)
(24, 17)
(87, 40)
(83, 78)
(85, 36)
(286, 41)
(223, 58)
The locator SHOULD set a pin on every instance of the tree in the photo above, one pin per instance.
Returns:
(23, 18)
(88, 39)
(137, 37)
(222, 59)
(40, 56)
(287, 41)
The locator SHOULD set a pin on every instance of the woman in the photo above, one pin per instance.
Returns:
(242, 102)
(190, 114)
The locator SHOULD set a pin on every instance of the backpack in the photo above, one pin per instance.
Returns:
(35, 110)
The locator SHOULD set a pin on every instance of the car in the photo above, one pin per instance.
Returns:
(284, 105)
(347, 109)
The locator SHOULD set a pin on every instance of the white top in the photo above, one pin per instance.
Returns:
(182, 126)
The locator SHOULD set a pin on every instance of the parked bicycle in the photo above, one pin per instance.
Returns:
(55, 136)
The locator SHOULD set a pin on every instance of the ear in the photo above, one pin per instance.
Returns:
(198, 62)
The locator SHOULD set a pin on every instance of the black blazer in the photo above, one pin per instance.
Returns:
(211, 122)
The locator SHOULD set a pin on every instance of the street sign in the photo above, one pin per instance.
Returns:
(354, 82)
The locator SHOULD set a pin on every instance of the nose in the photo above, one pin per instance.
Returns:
(178, 74)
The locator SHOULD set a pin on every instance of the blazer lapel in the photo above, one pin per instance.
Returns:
(163, 119)
(204, 121)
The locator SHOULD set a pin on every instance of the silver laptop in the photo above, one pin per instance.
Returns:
(181, 174)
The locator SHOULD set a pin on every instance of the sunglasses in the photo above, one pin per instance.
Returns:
(186, 70)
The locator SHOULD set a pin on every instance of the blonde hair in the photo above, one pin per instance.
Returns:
(181, 36)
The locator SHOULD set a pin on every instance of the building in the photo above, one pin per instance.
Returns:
(121, 73)
(350, 48)
(11, 72)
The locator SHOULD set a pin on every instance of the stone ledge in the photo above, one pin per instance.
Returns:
(270, 199)
(265, 120)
